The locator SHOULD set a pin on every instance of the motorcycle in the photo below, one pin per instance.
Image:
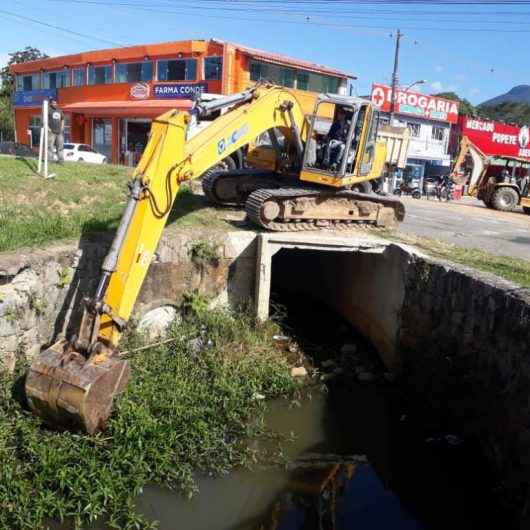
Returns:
(408, 187)
(443, 190)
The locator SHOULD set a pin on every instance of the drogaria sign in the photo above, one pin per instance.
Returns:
(415, 104)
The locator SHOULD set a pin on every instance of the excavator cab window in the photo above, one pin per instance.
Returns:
(333, 142)
(367, 156)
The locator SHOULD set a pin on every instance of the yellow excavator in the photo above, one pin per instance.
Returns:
(74, 382)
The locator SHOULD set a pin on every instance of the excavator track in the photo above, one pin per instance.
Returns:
(298, 210)
(232, 188)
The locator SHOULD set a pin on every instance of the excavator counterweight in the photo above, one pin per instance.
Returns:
(318, 165)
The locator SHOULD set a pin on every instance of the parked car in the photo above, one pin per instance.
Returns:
(82, 153)
(16, 149)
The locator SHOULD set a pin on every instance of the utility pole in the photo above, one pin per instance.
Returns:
(395, 75)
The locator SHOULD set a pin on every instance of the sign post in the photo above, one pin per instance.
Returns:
(43, 144)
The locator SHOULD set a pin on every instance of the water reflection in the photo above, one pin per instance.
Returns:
(325, 487)
(404, 484)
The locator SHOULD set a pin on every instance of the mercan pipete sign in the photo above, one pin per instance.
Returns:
(494, 138)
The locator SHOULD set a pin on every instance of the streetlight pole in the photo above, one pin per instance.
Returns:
(395, 75)
(420, 82)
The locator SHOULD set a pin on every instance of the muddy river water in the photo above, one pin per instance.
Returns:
(406, 483)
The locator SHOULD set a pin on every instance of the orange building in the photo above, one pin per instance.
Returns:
(109, 97)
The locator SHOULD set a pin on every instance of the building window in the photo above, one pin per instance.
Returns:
(258, 71)
(213, 68)
(28, 82)
(134, 72)
(79, 76)
(414, 129)
(35, 124)
(302, 81)
(100, 75)
(177, 70)
(60, 79)
(438, 133)
(289, 77)
(324, 83)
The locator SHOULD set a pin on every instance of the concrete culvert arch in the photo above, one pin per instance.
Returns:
(361, 278)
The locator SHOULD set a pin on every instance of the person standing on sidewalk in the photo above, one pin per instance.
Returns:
(55, 132)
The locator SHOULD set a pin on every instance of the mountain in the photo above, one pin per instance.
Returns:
(507, 112)
(499, 109)
(518, 94)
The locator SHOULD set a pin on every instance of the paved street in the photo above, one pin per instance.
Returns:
(469, 224)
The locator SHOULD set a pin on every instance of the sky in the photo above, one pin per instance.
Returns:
(477, 49)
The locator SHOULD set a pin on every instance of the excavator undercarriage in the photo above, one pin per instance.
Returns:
(282, 204)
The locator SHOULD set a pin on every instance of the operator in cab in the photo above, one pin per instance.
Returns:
(336, 140)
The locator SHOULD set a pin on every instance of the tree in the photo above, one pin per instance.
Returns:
(7, 86)
(465, 107)
(7, 128)
(22, 56)
(508, 112)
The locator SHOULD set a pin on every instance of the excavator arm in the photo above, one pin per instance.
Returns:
(74, 381)
(169, 160)
(480, 162)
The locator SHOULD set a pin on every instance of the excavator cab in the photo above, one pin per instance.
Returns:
(341, 149)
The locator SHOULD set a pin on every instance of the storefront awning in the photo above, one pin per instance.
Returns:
(149, 108)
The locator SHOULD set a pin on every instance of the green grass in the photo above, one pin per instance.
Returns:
(81, 199)
(516, 270)
(183, 412)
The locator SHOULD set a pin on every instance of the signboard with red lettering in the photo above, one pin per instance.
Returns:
(415, 104)
(494, 138)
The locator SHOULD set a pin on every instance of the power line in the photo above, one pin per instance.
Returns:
(59, 28)
(305, 14)
(282, 21)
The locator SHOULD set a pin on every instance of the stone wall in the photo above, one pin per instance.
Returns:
(41, 290)
(465, 348)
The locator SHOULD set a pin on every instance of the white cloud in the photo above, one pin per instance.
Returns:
(452, 88)
(437, 86)
(439, 68)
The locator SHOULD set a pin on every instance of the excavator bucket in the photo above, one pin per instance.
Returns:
(66, 389)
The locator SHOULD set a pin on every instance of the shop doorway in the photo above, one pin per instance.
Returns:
(102, 137)
(133, 139)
